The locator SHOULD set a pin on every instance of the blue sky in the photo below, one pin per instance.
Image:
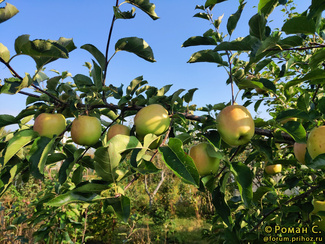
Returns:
(89, 22)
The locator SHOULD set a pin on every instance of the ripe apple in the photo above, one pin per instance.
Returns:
(273, 169)
(299, 150)
(235, 125)
(117, 129)
(204, 163)
(319, 206)
(316, 142)
(86, 130)
(151, 119)
(49, 124)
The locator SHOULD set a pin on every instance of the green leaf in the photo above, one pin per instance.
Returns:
(71, 197)
(317, 75)
(207, 56)
(21, 139)
(211, 3)
(4, 53)
(180, 163)
(98, 55)
(188, 97)
(240, 44)
(234, 18)
(137, 46)
(317, 58)
(134, 85)
(202, 16)
(266, 7)
(38, 154)
(244, 178)
(264, 148)
(318, 162)
(292, 113)
(199, 40)
(6, 119)
(296, 130)
(145, 6)
(8, 173)
(175, 96)
(257, 25)
(260, 193)
(121, 206)
(97, 74)
(83, 82)
(220, 205)
(44, 51)
(7, 12)
(213, 137)
(52, 83)
(300, 24)
(125, 14)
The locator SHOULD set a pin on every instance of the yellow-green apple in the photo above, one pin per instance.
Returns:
(151, 119)
(235, 125)
(319, 206)
(49, 124)
(273, 169)
(117, 129)
(299, 150)
(284, 121)
(316, 142)
(86, 130)
(204, 163)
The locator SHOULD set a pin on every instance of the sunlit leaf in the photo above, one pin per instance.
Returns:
(137, 46)
(145, 6)
(7, 12)
(98, 55)
(266, 7)
(207, 56)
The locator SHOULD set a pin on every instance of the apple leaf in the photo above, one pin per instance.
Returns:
(199, 40)
(135, 84)
(260, 193)
(98, 55)
(292, 113)
(240, 44)
(123, 14)
(244, 178)
(257, 26)
(220, 205)
(266, 7)
(21, 139)
(8, 173)
(180, 163)
(7, 12)
(145, 6)
(38, 154)
(296, 130)
(121, 206)
(137, 46)
(70, 197)
(4, 53)
(6, 119)
(300, 24)
(207, 56)
(234, 18)
(317, 163)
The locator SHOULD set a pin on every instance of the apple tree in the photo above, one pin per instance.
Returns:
(281, 70)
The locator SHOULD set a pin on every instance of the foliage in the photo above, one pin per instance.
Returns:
(285, 62)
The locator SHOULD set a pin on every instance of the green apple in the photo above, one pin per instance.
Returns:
(86, 130)
(151, 119)
(273, 169)
(235, 125)
(49, 124)
(117, 129)
(316, 142)
(319, 206)
(299, 150)
(204, 163)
